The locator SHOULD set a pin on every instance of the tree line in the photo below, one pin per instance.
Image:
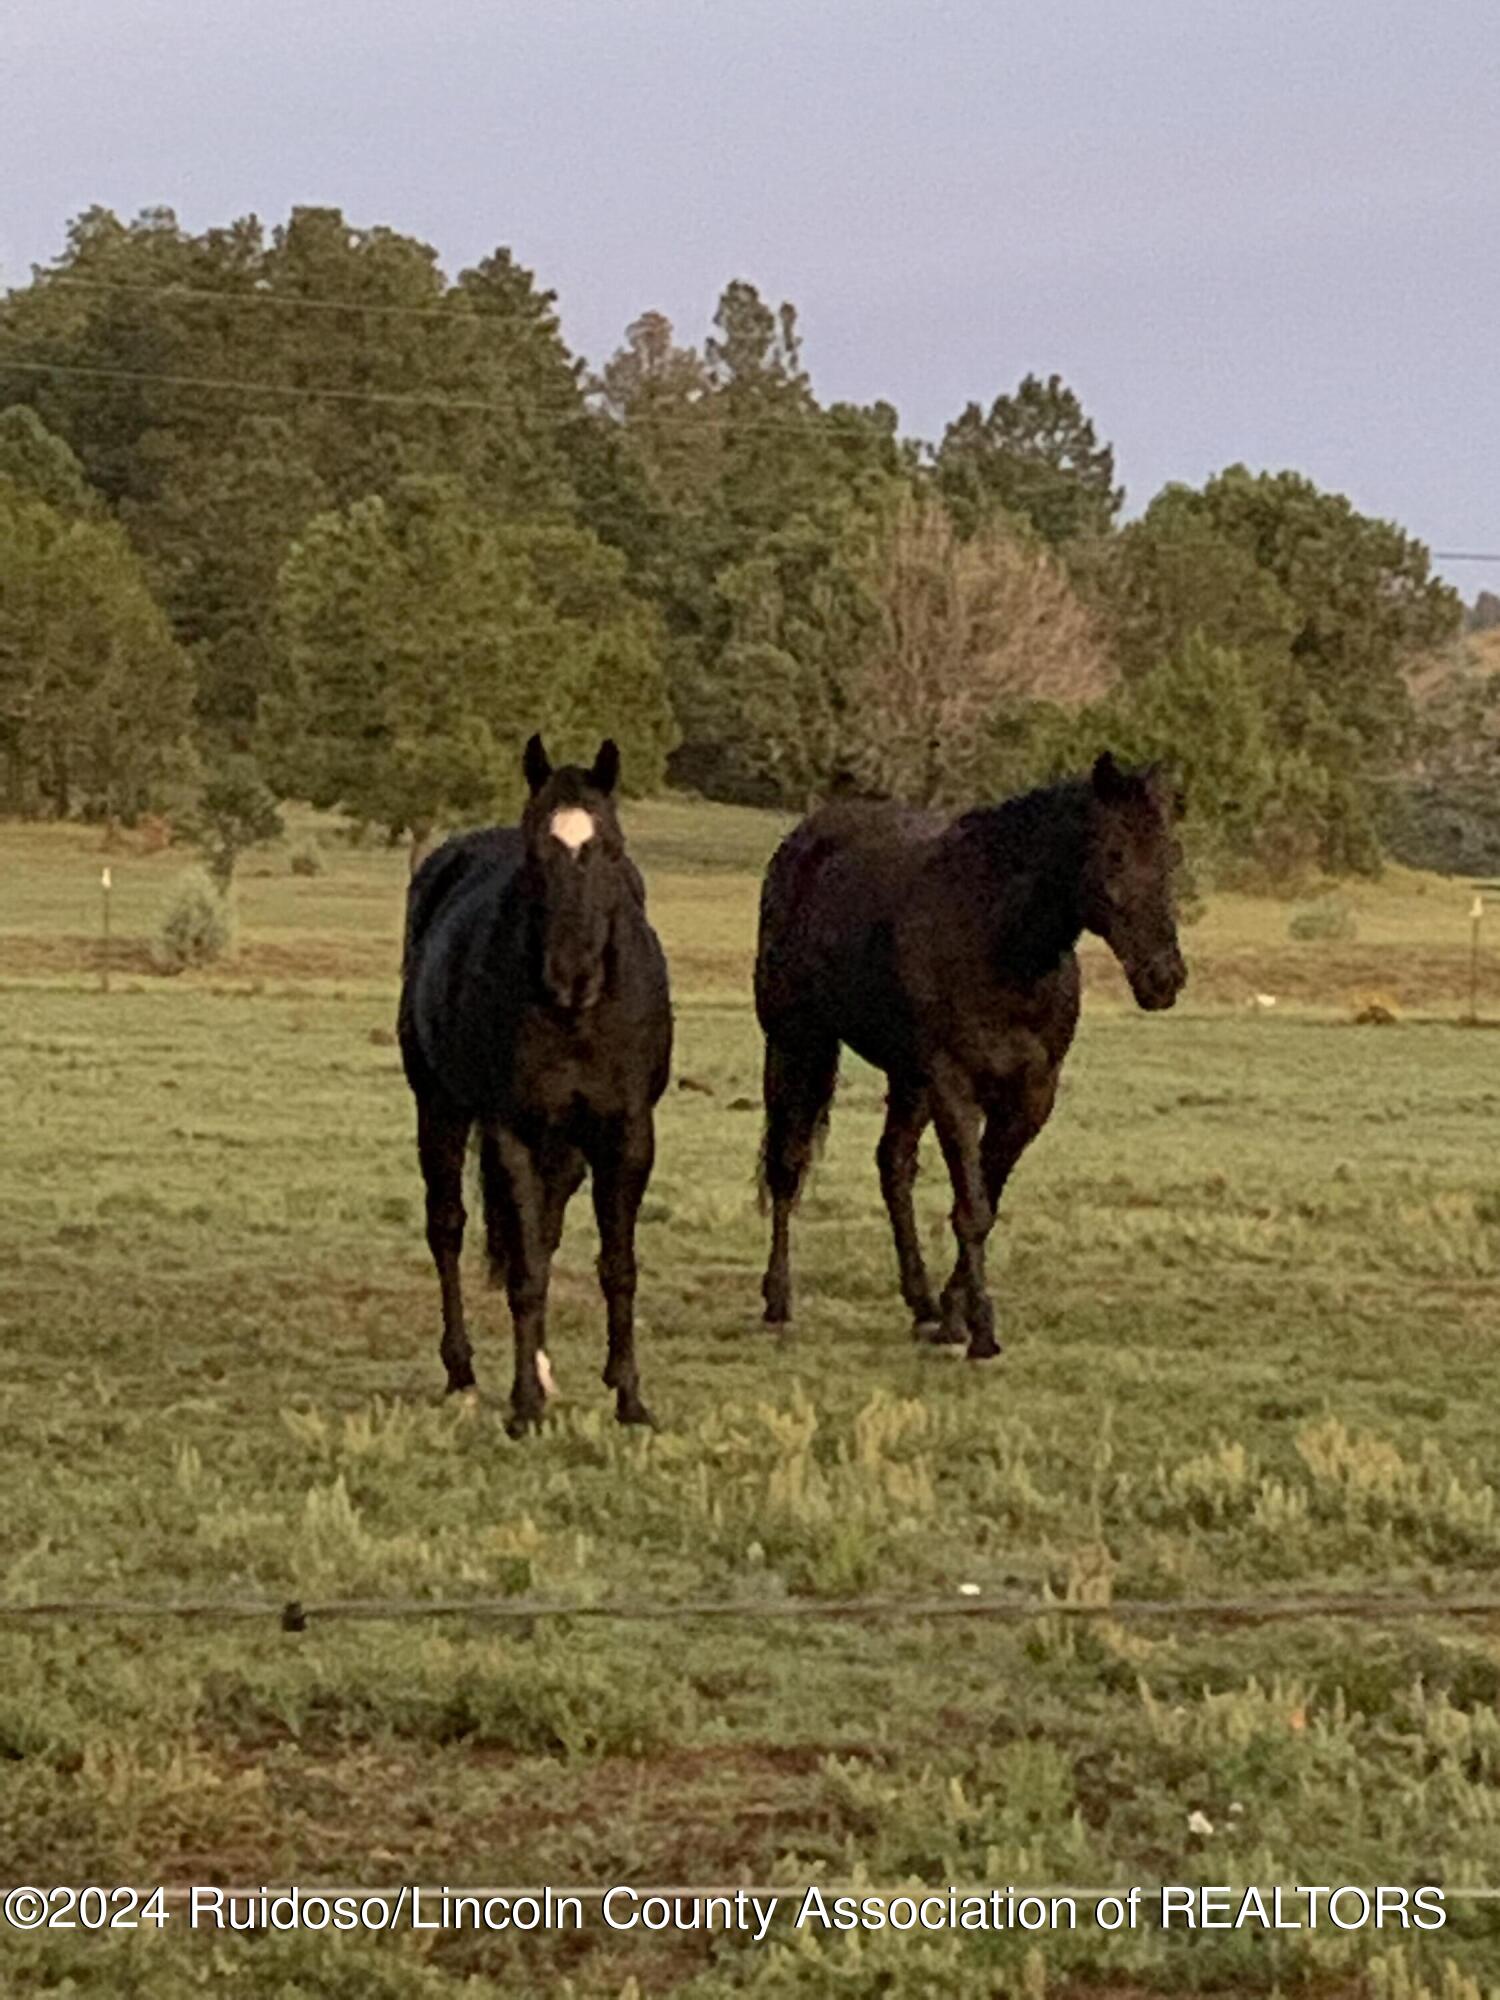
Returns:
(290, 513)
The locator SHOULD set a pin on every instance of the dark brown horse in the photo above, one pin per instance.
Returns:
(944, 955)
(534, 1005)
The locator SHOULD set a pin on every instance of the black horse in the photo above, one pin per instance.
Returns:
(944, 954)
(534, 1004)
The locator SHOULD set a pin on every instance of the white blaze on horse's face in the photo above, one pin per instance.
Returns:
(573, 827)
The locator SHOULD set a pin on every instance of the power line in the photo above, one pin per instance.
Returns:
(296, 1616)
(403, 398)
(443, 311)
(410, 399)
(454, 306)
(487, 406)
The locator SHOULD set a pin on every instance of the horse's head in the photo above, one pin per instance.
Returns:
(1132, 856)
(575, 857)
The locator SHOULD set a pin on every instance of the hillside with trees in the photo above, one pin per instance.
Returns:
(292, 513)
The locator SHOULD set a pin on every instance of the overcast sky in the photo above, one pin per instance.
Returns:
(1265, 230)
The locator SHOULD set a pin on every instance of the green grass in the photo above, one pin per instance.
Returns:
(1248, 1282)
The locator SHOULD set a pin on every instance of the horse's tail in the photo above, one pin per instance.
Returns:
(801, 1062)
(489, 1183)
(799, 1081)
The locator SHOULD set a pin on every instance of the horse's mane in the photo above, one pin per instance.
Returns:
(1020, 827)
(447, 868)
(1029, 853)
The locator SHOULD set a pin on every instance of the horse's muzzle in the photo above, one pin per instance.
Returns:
(1157, 982)
(575, 993)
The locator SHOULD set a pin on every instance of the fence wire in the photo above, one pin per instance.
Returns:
(296, 1616)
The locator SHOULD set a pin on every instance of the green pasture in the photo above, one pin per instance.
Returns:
(1249, 1281)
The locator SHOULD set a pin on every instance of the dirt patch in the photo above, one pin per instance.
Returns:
(710, 1816)
(72, 951)
(691, 1815)
(1412, 976)
(1409, 976)
(318, 958)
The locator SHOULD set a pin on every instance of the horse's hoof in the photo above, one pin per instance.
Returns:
(521, 1423)
(936, 1333)
(635, 1412)
(984, 1347)
(778, 1304)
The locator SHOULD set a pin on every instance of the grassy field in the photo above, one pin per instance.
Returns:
(1250, 1284)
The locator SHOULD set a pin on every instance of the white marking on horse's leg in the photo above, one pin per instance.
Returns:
(572, 826)
(544, 1373)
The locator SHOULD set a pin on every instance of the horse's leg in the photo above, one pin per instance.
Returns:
(1010, 1128)
(798, 1083)
(518, 1198)
(1014, 1117)
(621, 1161)
(561, 1169)
(896, 1156)
(958, 1115)
(442, 1138)
(564, 1172)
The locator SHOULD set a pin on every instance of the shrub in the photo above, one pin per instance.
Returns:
(198, 927)
(153, 833)
(235, 811)
(306, 860)
(1325, 920)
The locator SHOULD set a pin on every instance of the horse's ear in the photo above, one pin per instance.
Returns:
(606, 772)
(1108, 780)
(536, 764)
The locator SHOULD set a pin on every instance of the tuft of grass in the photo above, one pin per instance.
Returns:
(1327, 919)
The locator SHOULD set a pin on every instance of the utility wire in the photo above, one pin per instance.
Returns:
(454, 305)
(472, 405)
(417, 399)
(404, 398)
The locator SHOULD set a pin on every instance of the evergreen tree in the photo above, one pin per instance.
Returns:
(35, 462)
(1366, 604)
(1173, 574)
(424, 641)
(223, 389)
(95, 695)
(1035, 456)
